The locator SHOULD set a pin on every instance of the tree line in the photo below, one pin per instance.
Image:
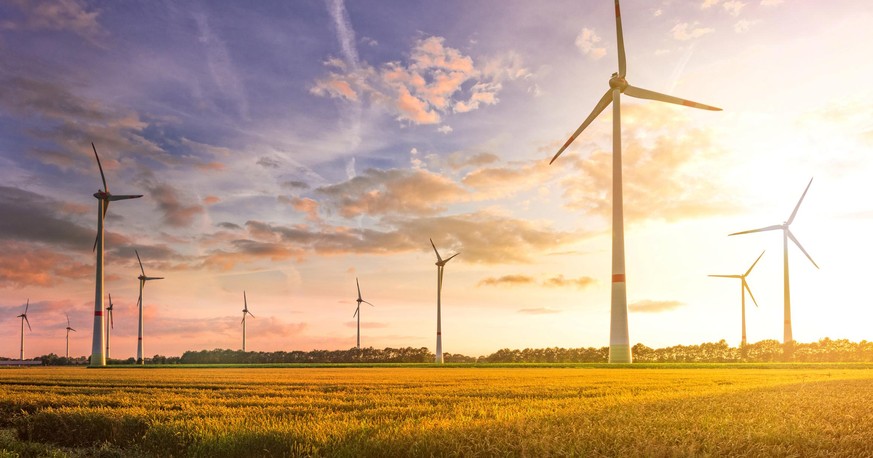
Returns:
(824, 350)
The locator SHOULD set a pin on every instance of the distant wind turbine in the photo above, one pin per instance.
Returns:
(619, 343)
(441, 263)
(111, 324)
(23, 317)
(103, 198)
(68, 335)
(358, 311)
(142, 280)
(245, 311)
(744, 286)
(787, 337)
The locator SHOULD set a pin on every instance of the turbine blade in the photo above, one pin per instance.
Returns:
(371, 305)
(111, 321)
(123, 197)
(243, 320)
(359, 287)
(452, 256)
(768, 228)
(71, 329)
(791, 236)
(245, 301)
(622, 64)
(250, 314)
(356, 311)
(27, 306)
(435, 250)
(96, 239)
(746, 285)
(726, 276)
(140, 262)
(794, 213)
(28, 323)
(68, 319)
(753, 264)
(652, 95)
(601, 105)
(105, 207)
(102, 177)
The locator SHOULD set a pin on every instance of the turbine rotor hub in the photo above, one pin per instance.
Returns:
(618, 82)
(100, 194)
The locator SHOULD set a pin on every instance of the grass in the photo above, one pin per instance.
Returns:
(577, 410)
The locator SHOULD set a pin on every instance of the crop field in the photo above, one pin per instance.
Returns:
(447, 411)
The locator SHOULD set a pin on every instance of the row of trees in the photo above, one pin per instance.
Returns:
(825, 350)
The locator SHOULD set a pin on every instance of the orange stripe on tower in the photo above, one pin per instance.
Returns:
(618, 278)
(98, 313)
(617, 12)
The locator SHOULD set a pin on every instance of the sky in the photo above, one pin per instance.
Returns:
(286, 148)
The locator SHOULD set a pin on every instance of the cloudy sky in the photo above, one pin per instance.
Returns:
(285, 148)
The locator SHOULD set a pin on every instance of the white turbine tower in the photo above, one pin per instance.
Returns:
(358, 311)
(619, 342)
(441, 263)
(98, 358)
(111, 324)
(245, 311)
(68, 335)
(787, 338)
(23, 317)
(142, 280)
(744, 286)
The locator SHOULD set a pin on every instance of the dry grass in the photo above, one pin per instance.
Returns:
(442, 412)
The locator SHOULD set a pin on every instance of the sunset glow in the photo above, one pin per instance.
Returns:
(285, 150)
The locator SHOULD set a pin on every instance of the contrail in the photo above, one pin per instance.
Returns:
(344, 32)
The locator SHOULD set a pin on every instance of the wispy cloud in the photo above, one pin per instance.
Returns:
(64, 15)
(539, 311)
(506, 280)
(649, 306)
(560, 281)
(394, 191)
(221, 67)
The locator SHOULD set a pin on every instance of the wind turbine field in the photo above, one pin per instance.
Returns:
(317, 156)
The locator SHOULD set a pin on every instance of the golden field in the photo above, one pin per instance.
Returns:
(439, 411)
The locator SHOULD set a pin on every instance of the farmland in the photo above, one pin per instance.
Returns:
(808, 410)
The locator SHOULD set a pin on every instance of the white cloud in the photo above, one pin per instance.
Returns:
(685, 31)
(771, 2)
(587, 41)
(436, 80)
(445, 129)
(743, 25)
(733, 7)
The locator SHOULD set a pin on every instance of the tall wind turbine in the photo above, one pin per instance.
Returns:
(98, 358)
(142, 280)
(68, 336)
(23, 317)
(744, 286)
(245, 311)
(787, 338)
(619, 343)
(358, 311)
(441, 263)
(111, 324)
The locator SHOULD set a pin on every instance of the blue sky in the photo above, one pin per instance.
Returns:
(286, 148)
